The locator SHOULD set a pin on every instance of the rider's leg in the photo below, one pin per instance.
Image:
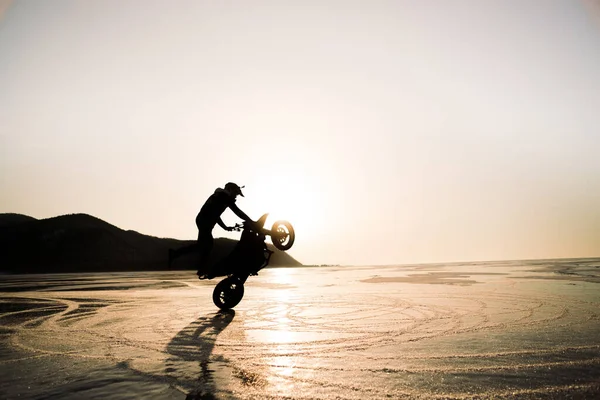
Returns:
(185, 250)
(205, 245)
(176, 253)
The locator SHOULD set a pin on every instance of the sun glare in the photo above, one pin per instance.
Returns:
(290, 193)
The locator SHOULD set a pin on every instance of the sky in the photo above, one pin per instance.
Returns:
(386, 132)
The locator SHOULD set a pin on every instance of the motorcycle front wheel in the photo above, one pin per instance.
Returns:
(282, 235)
(228, 293)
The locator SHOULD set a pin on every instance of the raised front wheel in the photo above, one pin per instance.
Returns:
(282, 235)
(228, 293)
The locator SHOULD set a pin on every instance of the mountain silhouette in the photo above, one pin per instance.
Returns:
(14, 219)
(83, 243)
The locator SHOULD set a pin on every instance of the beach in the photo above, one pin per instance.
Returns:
(510, 329)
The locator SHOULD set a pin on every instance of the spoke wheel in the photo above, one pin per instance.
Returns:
(228, 293)
(282, 235)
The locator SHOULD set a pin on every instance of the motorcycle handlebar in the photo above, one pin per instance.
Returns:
(254, 225)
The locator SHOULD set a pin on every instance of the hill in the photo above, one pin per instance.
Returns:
(83, 243)
(11, 219)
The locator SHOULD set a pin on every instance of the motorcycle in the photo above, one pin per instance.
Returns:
(249, 256)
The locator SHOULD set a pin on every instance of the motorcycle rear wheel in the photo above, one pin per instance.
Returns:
(282, 235)
(228, 293)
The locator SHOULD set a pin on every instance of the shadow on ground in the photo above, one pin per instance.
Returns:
(191, 354)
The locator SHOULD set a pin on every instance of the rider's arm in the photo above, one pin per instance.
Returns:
(222, 224)
(239, 212)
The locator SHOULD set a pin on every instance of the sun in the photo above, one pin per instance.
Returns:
(291, 181)
(291, 197)
(292, 187)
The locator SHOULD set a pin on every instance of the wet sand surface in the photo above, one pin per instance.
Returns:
(522, 329)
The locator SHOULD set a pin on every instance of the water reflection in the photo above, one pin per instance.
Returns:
(281, 335)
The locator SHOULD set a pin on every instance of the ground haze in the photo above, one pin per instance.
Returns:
(522, 329)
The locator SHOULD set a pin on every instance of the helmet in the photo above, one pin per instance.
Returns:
(234, 189)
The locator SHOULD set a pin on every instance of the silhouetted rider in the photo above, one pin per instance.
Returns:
(209, 215)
